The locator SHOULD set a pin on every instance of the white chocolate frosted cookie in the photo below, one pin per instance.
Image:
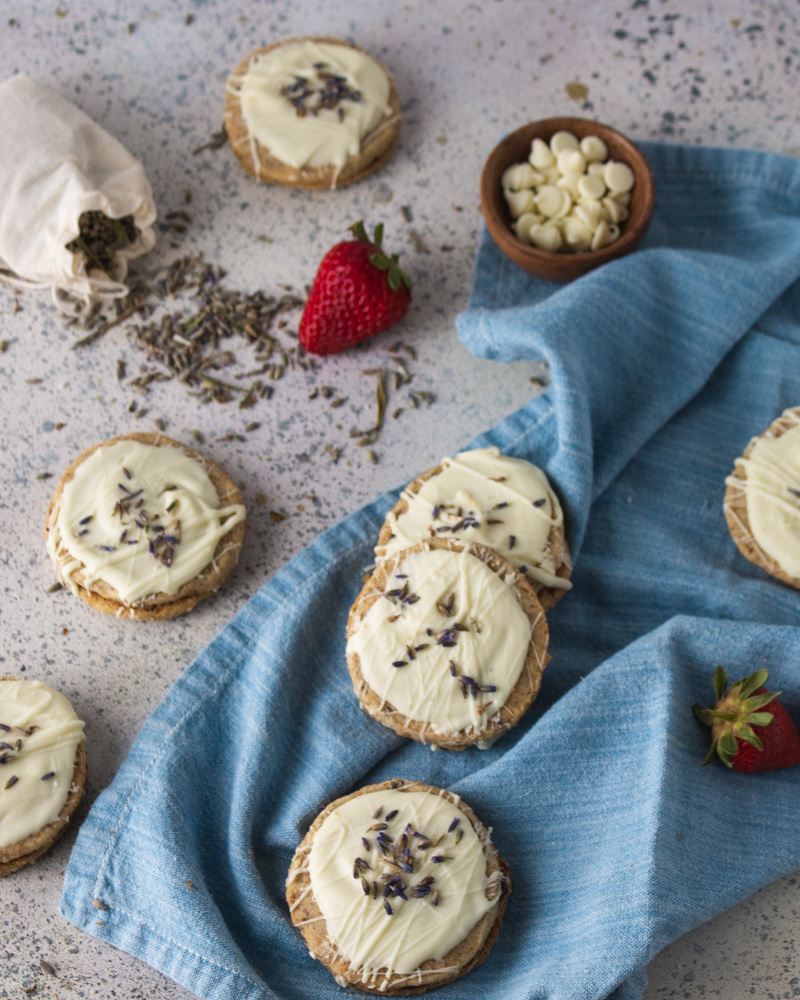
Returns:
(42, 769)
(144, 527)
(762, 499)
(485, 497)
(446, 644)
(397, 888)
(311, 113)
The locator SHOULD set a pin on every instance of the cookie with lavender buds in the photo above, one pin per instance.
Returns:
(483, 496)
(412, 863)
(762, 499)
(446, 644)
(313, 113)
(42, 769)
(144, 527)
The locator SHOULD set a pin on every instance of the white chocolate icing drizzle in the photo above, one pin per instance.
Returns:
(311, 103)
(772, 493)
(491, 499)
(39, 735)
(359, 926)
(144, 519)
(447, 641)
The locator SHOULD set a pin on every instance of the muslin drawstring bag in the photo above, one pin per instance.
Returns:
(55, 165)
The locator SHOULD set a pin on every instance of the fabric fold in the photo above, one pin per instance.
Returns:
(663, 365)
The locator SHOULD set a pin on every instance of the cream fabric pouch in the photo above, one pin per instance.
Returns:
(55, 164)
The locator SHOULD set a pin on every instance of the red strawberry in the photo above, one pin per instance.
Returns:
(732, 719)
(358, 292)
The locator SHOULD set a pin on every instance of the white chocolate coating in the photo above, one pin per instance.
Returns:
(488, 647)
(29, 803)
(357, 924)
(772, 491)
(321, 137)
(111, 538)
(503, 494)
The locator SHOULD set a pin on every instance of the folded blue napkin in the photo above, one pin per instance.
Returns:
(663, 365)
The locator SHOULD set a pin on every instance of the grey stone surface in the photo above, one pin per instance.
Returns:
(714, 73)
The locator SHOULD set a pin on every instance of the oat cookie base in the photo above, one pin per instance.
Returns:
(735, 505)
(466, 956)
(524, 692)
(557, 543)
(375, 147)
(23, 853)
(104, 597)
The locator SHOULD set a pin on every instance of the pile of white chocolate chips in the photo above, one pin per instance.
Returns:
(569, 196)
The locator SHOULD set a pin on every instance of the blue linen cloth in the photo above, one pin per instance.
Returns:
(663, 365)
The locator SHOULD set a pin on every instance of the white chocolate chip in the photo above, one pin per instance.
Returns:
(566, 204)
(576, 234)
(618, 177)
(571, 161)
(591, 186)
(522, 227)
(624, 198)
(541, 157)
(562, 141)
(569, 182)
(549, 200)
(521, 175)
(613, 233)
(519, 202)
(601, 235)
(590, 212)
(594, 149)
(546, 237)
(551, 175)
(612, 210)
(596, 170)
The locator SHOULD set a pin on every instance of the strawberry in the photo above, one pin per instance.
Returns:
(732, 720)
(358, 292)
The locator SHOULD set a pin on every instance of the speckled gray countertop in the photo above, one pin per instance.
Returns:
(721, 73)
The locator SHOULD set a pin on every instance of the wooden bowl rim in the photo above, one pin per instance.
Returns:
(498, 219)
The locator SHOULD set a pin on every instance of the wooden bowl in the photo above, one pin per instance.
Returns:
(564, 266)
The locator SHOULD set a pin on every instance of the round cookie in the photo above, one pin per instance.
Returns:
(485, 497)
(397, 888)
(762, 499)
(144, 527)
(311, 113)
(446, 644)
(42, 769)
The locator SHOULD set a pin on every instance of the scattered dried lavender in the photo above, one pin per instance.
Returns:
(193, 325)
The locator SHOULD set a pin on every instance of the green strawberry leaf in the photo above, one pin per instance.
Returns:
(358, 230)
(727, 716)
(724, 756)
(378, 237)
(747, 734)
(752, 683)
(759, 718)
(759, 701)
(378, 260)
(703, 714)
(712, 750)
(720, 683)
(727, 743)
